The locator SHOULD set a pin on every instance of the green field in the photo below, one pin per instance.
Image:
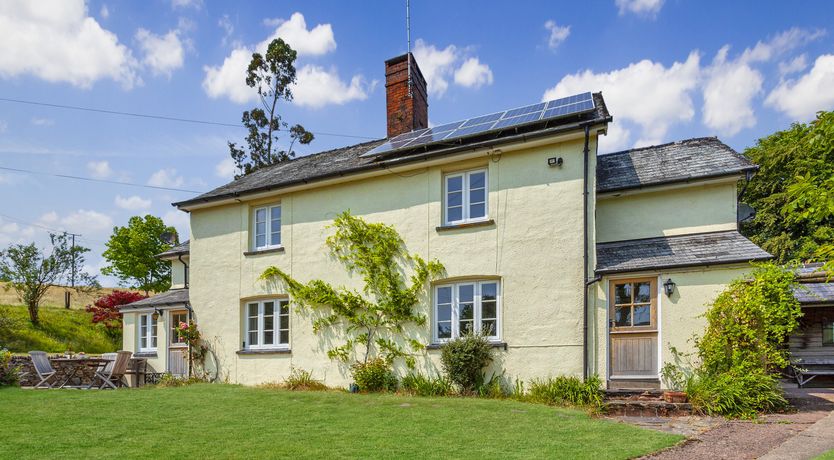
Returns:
(59, 330)
(228, 421)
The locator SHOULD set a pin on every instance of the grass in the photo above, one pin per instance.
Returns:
(228, 421)
(59, 330)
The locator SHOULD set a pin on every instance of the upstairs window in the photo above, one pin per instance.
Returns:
(466, 308)
(465, 197)
(267, 325)
(266, 227)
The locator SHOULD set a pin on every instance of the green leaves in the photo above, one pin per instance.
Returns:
(372, 322)
(131, 254)
(792, 192)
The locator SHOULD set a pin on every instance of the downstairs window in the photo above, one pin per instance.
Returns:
(465, 308)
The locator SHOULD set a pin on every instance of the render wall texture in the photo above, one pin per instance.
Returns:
(668, 211)
(534, 246)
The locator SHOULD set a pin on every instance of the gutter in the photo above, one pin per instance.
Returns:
(384, 164)
(603, 272)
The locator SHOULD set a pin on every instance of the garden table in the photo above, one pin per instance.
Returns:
(79, 364)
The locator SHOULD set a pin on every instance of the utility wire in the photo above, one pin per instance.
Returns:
(158, 117)
(90, 179)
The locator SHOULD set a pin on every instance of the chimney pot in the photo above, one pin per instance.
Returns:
(405, 113)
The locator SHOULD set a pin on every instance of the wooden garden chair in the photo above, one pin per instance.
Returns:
(43, 368)
(111, 375)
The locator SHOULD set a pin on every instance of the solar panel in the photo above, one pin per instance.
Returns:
(508, 119)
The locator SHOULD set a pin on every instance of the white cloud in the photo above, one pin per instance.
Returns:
(57, 41)
(104, 12)
(315, 86)
(795, 65)
(645, 93)
(801, 98)
(132, 203)
(100, 169)
(163, 53)
(42, 121)
(780, 44)
(197, 4)
(166, 178)
(641, 7)
(3, 126)
(440, 65)
(729, 89)
(15, 233)
(225, 23)
(473, 74)
(558, 34)
(83, 221)
(179, 220)
(225, 169)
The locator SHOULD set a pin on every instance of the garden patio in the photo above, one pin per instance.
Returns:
(229, 421)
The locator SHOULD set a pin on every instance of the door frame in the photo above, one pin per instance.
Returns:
(608, 280)
(170, 345)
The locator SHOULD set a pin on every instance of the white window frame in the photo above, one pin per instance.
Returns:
(496, 334)
(268, 227)
(276, 325)
(465, 189)
(175, 340)
(149, 332)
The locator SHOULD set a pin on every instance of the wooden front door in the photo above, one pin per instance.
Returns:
(632, 328)
(177, 348)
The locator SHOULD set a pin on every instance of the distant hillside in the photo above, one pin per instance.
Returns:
(55, 296)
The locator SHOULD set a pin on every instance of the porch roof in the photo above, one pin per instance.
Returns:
(700, 249)
(814, 293)
(172, 297)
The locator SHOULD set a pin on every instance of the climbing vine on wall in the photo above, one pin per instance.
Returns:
(371, 322)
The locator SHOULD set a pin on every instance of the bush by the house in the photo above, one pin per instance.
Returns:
(374, 375)
(302, 380)
(736, 395)
(567, 391)
(106, 312)
(464, 360)
(8, 372)
(420, 385)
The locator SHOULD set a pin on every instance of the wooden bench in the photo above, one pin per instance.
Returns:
(807, 369)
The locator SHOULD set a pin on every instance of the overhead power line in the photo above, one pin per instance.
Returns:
(159, 117)
(104, 181)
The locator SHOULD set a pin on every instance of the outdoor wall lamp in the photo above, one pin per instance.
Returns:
(669, 287)
(156, 314)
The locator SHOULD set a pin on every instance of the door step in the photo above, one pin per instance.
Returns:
(634, 384)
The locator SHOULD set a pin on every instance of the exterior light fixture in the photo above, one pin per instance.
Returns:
(669, 287)
(555, 162)
(156, 314)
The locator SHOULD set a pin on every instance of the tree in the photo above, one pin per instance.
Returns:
(31, 272)
(272, 75)
(131, 253)
(373, 321)
(105, 310)
(793, 192)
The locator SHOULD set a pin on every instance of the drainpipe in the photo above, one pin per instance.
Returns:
(190, 311)
(185, 275)
(585, 152)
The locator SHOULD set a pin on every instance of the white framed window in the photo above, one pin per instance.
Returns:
(266, 227)
(177, 317)
(147, 332)
(267, 324)
(465, 197)
(466, 307)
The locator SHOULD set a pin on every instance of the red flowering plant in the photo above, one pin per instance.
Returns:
(189, 332)
(105, 310)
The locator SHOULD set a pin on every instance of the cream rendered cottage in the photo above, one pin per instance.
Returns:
(577, 263)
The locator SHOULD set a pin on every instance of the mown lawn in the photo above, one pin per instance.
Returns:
(228, 421)
(59, 330)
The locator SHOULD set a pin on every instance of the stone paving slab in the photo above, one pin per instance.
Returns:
(813, 441)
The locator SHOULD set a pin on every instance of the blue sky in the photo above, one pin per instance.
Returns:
(669, 70)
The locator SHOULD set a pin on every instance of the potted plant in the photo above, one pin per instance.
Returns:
(674, 378)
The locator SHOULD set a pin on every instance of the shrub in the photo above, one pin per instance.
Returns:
(464, 360)
(736, 395)
(8, 373)
(170, 380)
(301, 380)
(492, 388)
(420, 385)
(374, 375)
(105, 311)
(567, 391)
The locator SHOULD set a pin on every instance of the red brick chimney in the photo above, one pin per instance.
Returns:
(405, 112)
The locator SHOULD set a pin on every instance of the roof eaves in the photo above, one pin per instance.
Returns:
(681, 180)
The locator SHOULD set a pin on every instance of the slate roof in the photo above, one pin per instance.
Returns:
(349, 160)
(681, 161)
(172, 297)
(677, 251)
(178, 250)
(815, 293)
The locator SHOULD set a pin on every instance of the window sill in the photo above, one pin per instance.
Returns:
(264, 251)
(436, 346)
(276, 351)
(145, 354)
(481, 223)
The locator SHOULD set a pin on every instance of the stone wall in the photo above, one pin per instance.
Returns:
(83, 376)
